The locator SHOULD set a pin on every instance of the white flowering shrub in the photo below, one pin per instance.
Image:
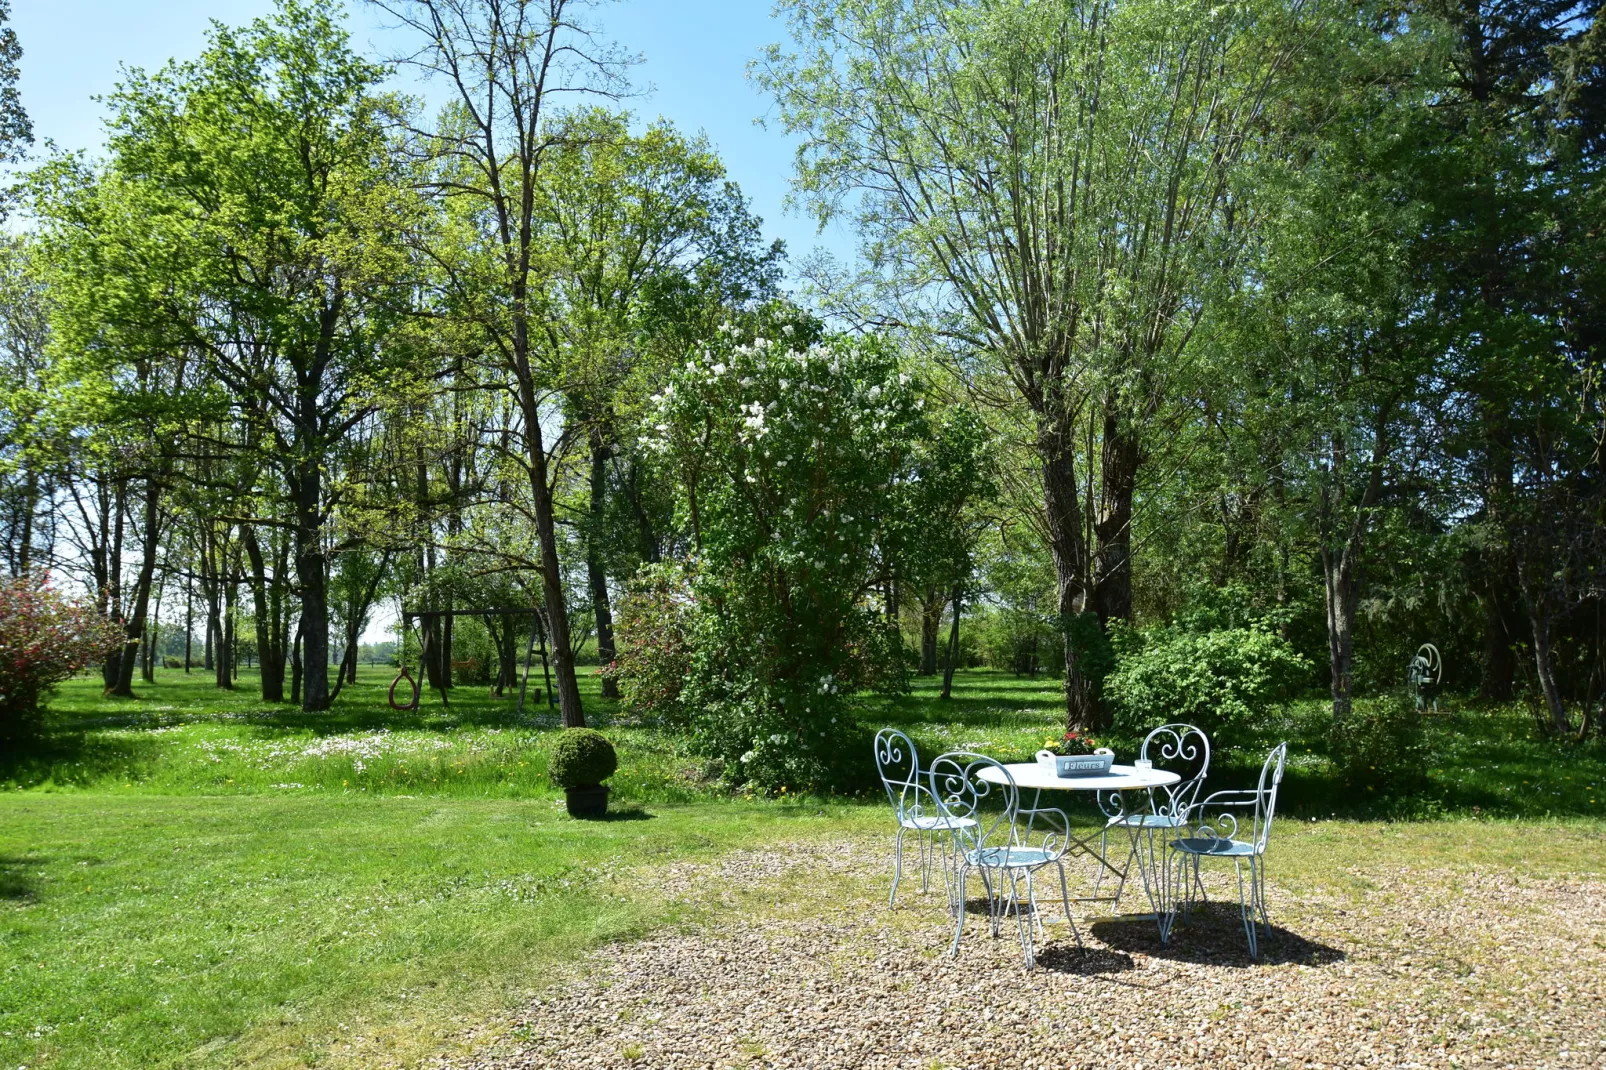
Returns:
(792, 464)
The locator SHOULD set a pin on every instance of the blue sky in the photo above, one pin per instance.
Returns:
(695, 53)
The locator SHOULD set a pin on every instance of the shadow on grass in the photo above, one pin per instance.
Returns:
(76, 759)
(14, 881)
(629, 813)
(1213, 935)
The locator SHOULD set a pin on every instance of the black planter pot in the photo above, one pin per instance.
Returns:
(587, 802)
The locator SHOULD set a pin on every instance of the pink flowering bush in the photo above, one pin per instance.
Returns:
(44, 639)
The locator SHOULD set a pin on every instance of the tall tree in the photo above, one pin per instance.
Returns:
(1058, 187)
(252, 217)
(510, 66)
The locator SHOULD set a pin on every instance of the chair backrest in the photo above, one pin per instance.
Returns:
(959, 789)
(898, 762)
(1271, 778)
(1185, 749)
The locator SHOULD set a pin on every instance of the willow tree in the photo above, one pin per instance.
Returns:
(1057, 189)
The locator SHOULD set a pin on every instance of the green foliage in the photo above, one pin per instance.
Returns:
(582, 758)
(793, 468)
(1225, 681)
(654, 623)
(1380, 747)
(44, 639)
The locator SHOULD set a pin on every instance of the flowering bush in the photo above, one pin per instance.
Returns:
(44, 639)
(653, 626)
(793, 468)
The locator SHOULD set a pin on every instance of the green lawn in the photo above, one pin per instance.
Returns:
(192, 878)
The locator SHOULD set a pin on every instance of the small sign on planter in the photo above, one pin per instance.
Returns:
(1073, 765)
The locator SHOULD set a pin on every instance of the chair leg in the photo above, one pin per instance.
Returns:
(1179, 898)
(1022, 925)
(897, 866)
(1125, 871)
(1104, 852)
(1065, 901)
(959, 915)
(1245, 910)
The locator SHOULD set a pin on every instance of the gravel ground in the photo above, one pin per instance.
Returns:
(1424, 969)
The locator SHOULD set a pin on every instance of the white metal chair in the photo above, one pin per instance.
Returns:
(913, 806)
(1184, 749)
(1001, 842)
(1212, 832)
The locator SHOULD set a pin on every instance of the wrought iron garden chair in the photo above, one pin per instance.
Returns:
(1212, 832)
(1002, 843)
(1183, 749)
(913, 807)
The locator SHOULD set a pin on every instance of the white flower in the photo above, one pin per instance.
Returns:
(718, 369)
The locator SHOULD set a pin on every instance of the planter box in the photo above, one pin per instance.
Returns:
(1075, 765)
(587, 802)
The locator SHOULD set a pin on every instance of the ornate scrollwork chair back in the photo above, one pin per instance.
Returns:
(999, 841)
(898, 763)
(1183, 749)
(914, 808)
(982, 811)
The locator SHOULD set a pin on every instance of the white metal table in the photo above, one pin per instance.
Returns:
(1119, 780)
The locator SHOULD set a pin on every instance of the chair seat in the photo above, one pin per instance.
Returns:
(936, 822)
(1202, 845)
(1010, 857)
(1146, 821)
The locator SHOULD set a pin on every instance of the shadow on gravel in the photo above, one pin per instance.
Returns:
(1089, 962)
(1214, 936)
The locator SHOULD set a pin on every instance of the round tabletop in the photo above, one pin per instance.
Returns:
(1119, 778)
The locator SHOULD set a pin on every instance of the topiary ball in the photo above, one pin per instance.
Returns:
(582, 758)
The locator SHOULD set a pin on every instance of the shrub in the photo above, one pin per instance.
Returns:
(1224, 681)
(654, 625)
(794, 465)
(44, 639)
(1380, 748)
(582, 758)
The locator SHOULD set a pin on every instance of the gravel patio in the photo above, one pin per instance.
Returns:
(800, 964)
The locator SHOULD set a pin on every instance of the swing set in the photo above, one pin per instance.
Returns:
(537, 637)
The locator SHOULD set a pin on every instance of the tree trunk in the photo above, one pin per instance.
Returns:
(1338, 573)
(596, 575)
(931, 607)
(1066, 543)
(295, 666)
(1541, 619)
(112, 585)
(189, 620)
(228, 653)
(567, 687)
(134, 627)
(312, 576)
(1498, 679)
(1112, 579)
(953, 647)
(269, 654)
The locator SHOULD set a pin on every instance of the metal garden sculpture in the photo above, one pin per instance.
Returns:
(1422, 678)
